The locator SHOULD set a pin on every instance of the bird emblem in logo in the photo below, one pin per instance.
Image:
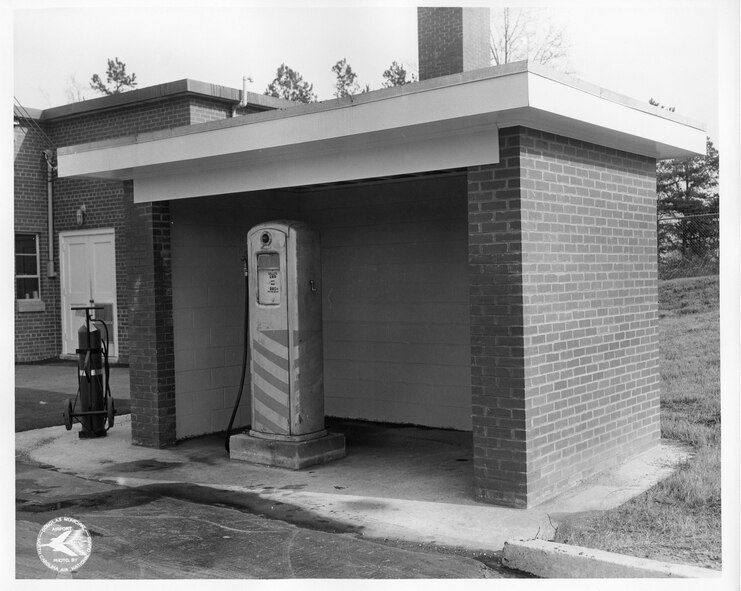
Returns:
(64, 544)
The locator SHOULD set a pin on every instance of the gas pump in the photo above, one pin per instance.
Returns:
(286, 354)
(93, 373)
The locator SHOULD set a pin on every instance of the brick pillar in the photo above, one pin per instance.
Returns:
(452, 40)
(151, 348)
(563, 311)
(496, 313)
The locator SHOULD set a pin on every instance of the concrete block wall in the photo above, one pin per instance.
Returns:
(208, 240)
(395, 300)
(562, 253)
(395, 307)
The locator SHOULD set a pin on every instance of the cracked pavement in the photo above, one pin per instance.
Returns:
(178, 532)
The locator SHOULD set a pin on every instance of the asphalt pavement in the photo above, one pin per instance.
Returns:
(400, 505)
(41, 390)
(173, 533)
(179, 530)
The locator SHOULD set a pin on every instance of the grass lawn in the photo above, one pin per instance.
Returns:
(679, 519)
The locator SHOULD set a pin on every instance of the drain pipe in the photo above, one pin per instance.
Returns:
(50, 168)
(243, 100)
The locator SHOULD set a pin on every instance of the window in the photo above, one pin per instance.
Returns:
(27, 283)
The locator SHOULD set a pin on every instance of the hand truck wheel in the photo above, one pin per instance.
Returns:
(68, 414)
(111, 411)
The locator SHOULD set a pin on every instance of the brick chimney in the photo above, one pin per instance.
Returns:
(452, 40)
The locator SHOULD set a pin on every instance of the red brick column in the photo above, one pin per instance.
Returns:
(497, 349)
(563, 312)
(452, 40)
(151, 347)
(591, 308)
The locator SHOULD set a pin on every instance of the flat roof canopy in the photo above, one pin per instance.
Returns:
(442, 123)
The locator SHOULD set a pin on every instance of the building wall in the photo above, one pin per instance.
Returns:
(203, 110)
(38, 334)
(395, 301)
(564, 314)
(208, 238)
(149, 271)
(591, 308)
(498, 395)
(394, 271)
(452, 40)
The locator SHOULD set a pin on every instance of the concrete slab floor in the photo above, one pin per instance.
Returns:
(407, 483)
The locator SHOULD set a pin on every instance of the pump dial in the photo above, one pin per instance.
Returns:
(266, 238)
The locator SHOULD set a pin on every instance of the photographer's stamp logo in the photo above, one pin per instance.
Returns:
(64, 544)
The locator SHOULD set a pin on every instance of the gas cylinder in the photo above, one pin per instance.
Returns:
(92, 388)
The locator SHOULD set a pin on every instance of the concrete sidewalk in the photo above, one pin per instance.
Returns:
(403, 483)
(397, 482)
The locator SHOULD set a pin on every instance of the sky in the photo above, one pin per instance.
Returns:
(667, 50)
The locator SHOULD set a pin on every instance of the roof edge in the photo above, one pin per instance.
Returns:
(161, 91)
(27, 113)
(612, 96)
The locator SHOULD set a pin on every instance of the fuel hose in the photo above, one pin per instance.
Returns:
(244, 356)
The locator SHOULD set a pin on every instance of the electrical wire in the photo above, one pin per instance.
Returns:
(33, 123)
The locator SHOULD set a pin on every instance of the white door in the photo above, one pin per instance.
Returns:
(88, 277)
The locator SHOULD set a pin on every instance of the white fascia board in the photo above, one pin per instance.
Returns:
(329, 161)
(569, 110)
(444, 122)
(146, 154)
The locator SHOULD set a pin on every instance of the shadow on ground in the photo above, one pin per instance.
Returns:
(36, 409)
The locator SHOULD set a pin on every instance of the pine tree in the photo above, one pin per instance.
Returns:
(117, 78)
(396, 75)
(288, 84)
(687, 190)
(346, 84)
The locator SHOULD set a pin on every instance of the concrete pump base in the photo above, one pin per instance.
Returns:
(294, 455)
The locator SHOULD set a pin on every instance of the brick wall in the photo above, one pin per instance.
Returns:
(152, 357)
(129, 120)
(496, 316)
(563, 314)
(591, 308)
(36, 333)
(203, 110)
(452, 40)
(104, 208)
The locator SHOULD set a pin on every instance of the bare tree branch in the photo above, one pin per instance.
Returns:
(524, 34)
